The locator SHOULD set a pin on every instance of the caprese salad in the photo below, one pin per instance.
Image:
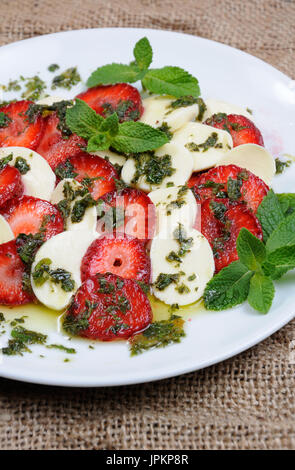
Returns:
(117, 197)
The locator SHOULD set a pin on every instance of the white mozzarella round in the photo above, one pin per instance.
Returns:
(254, 158)
(65, 251)
(175, 205)
(195, 270)
(90, 217)
(40, 180)
(217, 106)
(158, 110)
(181, 162)
(50, 100)
(112, 157)
(6, 234)
(193, 134)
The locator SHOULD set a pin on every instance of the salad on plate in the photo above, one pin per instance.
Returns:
(118, 204)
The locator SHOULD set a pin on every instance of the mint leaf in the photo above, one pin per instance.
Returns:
(287, 202)
(270, 214)
(143, 53)
(283, 235)
(98, 142)
(228, 288)
(261, 293)
(283, 258)
(110, 125)
(83, 120)
(172, 81)
(114, 73)
(136, 137)
(251, 250)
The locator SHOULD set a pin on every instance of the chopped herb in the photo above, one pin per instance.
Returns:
(27, 246)
(17, 321)
(2, 318)
(13, 85)
(281, 166)
(219, 210)
(164, 280)
(234, 188)
(166, 129)
(183, 102)
(105, 287)
(53, 67)
(145, 287)
(154, 168)
(80, 208)
(5, 120)
(125, 110)
(34, 88)
(192, 277)
(4, 161)
(22, 165)
(185, 243)
(211, 141)
(43, 273)
(65, 170)
(202, 109)
(67, 79)
(62, 348)
(74, 324)
(158, 335)
(60, 108)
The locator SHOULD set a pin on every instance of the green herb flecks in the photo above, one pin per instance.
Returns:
(34, 88)
(158, 335)
(22, 165)
(75, 324)
(42, 273)
(62, 348)
(154, 168)
(210, 142)
(53, 67)
(5, 160)
(67, 79)
(5, 120)
(21, 338)
(281, 165)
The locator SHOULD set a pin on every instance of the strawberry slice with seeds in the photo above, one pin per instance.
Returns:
(122, 98)
(18, 131)
(122, 255)
(221, 225)
(129, 210)
(54, 147)
(94, 172)
(233, 182)
(12, 276)
(30, 215)
(242, 129)
(107, 307)
(11, 185)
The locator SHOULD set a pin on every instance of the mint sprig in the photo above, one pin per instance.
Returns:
(170, 80)
(251, 278)
(103, 133)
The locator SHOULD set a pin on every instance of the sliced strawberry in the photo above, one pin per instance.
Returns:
(231, 181)
(98, 174)
(54, 147)
(221, 225)
(31, 215)
(11, 185)
(12, 276)
(19, 131)
(242, 129)
(129, 208)
(107, 307)
(122, 98)
(122, 255)
(193, 179)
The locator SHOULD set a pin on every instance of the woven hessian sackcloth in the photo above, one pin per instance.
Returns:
(244, 403)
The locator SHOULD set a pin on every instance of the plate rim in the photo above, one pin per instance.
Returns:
(72, 381)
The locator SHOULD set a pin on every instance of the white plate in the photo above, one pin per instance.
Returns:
(224, 73)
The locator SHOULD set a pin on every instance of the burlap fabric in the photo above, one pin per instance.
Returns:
(244, 403)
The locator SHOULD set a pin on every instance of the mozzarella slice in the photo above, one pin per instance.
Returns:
(176, 205)
(254, 158)
(50, 100)
(112, 157)
(216, 106)
(90, 217)
(65, 251)
(6, 234)
(181, 162)
(158, 110)
(194, 134)
(195, 270)
(39, 181)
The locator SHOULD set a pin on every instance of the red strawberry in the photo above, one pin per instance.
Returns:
(122, 98)
(193, 179)
(12, 274)
(133, 209)
(102, 174)
(231, 181)
(11, 185)
(20, 131)
(242, 130)
(122, 255)
(221, 225)
(56, 149)
(31, 215)
(107, 307)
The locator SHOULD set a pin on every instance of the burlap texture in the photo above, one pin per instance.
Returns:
(244, 403)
